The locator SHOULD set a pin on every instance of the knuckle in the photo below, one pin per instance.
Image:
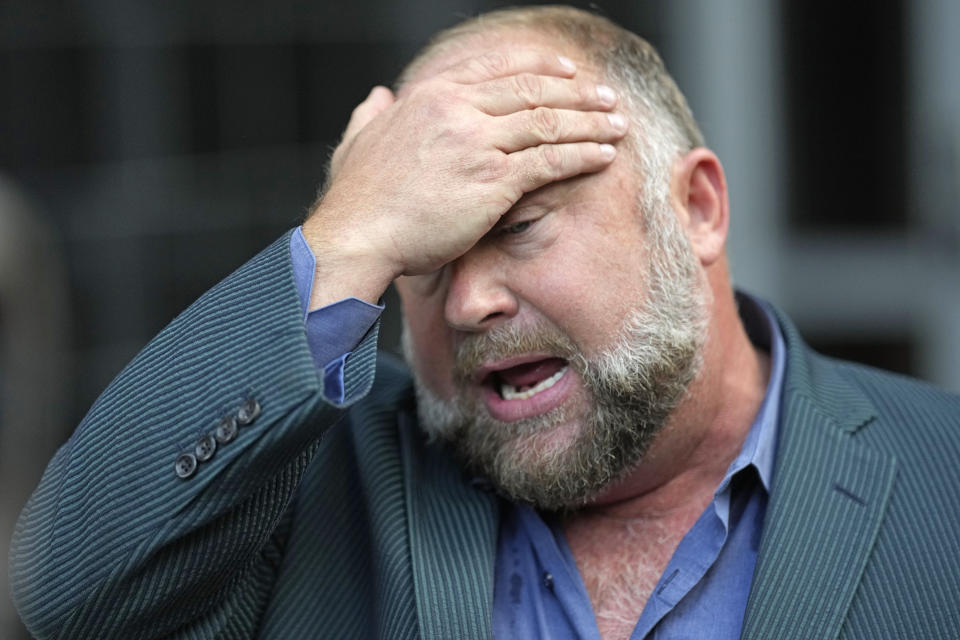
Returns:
(438, 106)
(493, 63)
(547, 123)
(492, 168)
(464, 135)
(584, 94)
(553, 159)
(435, 112)
(528, 89)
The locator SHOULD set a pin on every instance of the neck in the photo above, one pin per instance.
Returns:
(689, 458)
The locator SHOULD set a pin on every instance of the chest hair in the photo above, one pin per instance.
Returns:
(620, 563)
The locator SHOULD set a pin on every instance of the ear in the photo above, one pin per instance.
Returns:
(698, 190)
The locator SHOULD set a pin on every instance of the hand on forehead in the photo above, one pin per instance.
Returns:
(419, 179)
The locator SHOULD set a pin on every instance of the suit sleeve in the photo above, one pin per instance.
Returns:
(138, 529)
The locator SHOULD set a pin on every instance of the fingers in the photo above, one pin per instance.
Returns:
(534, 127)
(537, 166)
(499, 64)
(527, 91)
(532, 108)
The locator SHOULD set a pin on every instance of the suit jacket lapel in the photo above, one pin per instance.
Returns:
(826, 506)
(453, 541)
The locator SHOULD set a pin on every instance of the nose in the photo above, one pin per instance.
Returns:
(478, 295)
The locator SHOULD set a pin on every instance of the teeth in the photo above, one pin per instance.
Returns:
(510, 392)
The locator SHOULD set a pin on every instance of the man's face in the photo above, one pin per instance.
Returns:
(551, 354)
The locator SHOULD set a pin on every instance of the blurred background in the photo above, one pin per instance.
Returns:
(148, 148)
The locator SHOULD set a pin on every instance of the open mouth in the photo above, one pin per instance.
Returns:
(526, 380)
(524, 387)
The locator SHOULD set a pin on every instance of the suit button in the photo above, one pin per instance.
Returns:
(248, 411)
(185, 466)
(206, 447)
(226, 431)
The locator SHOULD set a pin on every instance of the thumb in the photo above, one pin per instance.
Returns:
(379, 99)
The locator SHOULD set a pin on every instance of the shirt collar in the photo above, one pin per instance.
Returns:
(759, 447)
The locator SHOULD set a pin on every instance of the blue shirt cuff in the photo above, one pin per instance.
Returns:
(335, 330)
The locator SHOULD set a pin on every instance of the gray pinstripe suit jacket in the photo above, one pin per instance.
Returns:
(302, 527)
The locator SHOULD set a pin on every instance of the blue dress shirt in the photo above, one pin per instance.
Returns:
(538, 589)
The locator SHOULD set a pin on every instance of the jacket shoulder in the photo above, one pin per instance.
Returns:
(911, 420)
(901, 396)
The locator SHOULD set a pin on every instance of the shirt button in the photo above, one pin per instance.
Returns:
(185, 466)
(206, 447)
(226, 431)
(248, 411)
(548, 580)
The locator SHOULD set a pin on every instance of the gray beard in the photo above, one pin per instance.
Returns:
(632, 388)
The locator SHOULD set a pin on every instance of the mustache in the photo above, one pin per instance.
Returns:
(510, 340)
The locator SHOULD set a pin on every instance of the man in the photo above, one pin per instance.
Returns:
(616, 445)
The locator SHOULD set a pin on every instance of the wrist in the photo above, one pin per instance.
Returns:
(347, 264)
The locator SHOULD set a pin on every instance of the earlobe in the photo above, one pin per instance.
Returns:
(699, 193)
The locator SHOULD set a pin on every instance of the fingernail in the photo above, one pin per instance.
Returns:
(606, 94)
(567, 63)
(607, 151)
(617, 121)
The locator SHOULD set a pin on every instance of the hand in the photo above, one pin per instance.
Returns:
(418, 180)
